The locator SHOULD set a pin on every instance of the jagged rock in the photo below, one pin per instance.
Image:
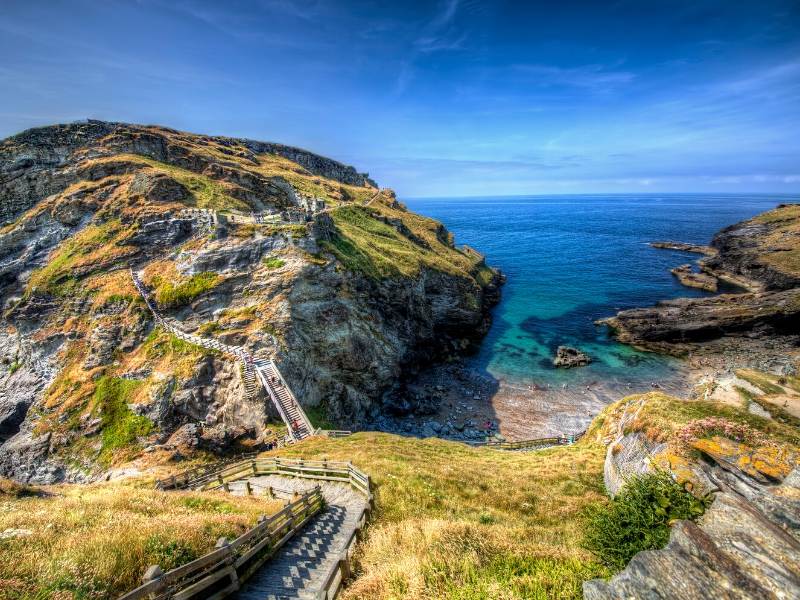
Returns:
(158, 188)
(748, 254)
(737, 551)
(567, 357)
(199, 215)
(674, 322)
(689, 278)
(684, 247)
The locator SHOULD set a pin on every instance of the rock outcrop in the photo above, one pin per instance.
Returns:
(567, 358)
(760, 254)
(742, 548)
(747, 544)
(258, 244)
(687, 276)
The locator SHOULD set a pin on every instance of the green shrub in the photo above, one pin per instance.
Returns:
(273, 262)
(171, 295)
(120, 426)
(167, 553)
(14, 367)
(638, 518)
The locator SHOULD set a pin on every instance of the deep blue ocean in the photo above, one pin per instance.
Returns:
(573, 259)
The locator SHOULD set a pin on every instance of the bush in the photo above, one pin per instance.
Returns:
(170, 295)
(639, 518)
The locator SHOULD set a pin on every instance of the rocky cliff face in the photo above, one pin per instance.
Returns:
(747, 545)
(763, 254)
(257, 244)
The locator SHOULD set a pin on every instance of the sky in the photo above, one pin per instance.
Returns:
(440, 98)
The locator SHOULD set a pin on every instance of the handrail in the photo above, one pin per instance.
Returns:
(222, 571)
(251, 369)
(521, 444)
(303, 415)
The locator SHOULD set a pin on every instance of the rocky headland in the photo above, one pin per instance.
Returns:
(292, 255)
(762, 255)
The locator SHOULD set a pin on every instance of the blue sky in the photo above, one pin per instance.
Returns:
(448, 98)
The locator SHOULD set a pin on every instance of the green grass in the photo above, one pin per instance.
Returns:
(273, 262)
(170, 295)
(95, 541)
(121, 428)
(161, 343)
(14, 367)
(367, 245)
(318, 416)
(662, 415)
(760, 380)
(639, 518)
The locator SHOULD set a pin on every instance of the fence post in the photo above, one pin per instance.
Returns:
(152, 573)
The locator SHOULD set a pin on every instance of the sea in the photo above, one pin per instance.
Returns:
(573, 259)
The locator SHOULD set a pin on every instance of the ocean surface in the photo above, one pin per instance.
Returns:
(573, 259)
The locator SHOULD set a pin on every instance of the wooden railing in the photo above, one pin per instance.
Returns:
(333, 433)
(222, 571)
(528, 444)
(219, 477)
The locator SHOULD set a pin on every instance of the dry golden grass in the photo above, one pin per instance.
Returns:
(95, 541)
(457, 522)
(782, 245)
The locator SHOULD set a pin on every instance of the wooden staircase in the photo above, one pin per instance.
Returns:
(283, 398)
(254, 371)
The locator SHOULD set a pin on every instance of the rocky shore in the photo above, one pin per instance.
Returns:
(761, 253)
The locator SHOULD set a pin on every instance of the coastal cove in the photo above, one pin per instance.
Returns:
(570, 260)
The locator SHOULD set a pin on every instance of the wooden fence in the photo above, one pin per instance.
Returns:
(222, 571)
(530, 444)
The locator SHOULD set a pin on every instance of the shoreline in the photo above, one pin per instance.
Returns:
(467, 405)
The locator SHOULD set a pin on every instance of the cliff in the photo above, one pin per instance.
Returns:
(295, 256)
(762, 254)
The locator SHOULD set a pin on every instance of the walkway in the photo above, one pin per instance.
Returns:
(300, 568)
(255, 370)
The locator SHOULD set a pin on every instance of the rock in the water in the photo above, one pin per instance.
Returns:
(567, 357)
(684, 247)
(689, 278)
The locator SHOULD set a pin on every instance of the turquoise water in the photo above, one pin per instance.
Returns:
(573, 259)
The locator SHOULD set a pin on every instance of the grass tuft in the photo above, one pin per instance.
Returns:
(172, 295)
(120, 426)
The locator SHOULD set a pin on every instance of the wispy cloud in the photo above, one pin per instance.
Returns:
(594, 77)
(439, 34)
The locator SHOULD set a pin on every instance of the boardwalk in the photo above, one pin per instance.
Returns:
(300, 567)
